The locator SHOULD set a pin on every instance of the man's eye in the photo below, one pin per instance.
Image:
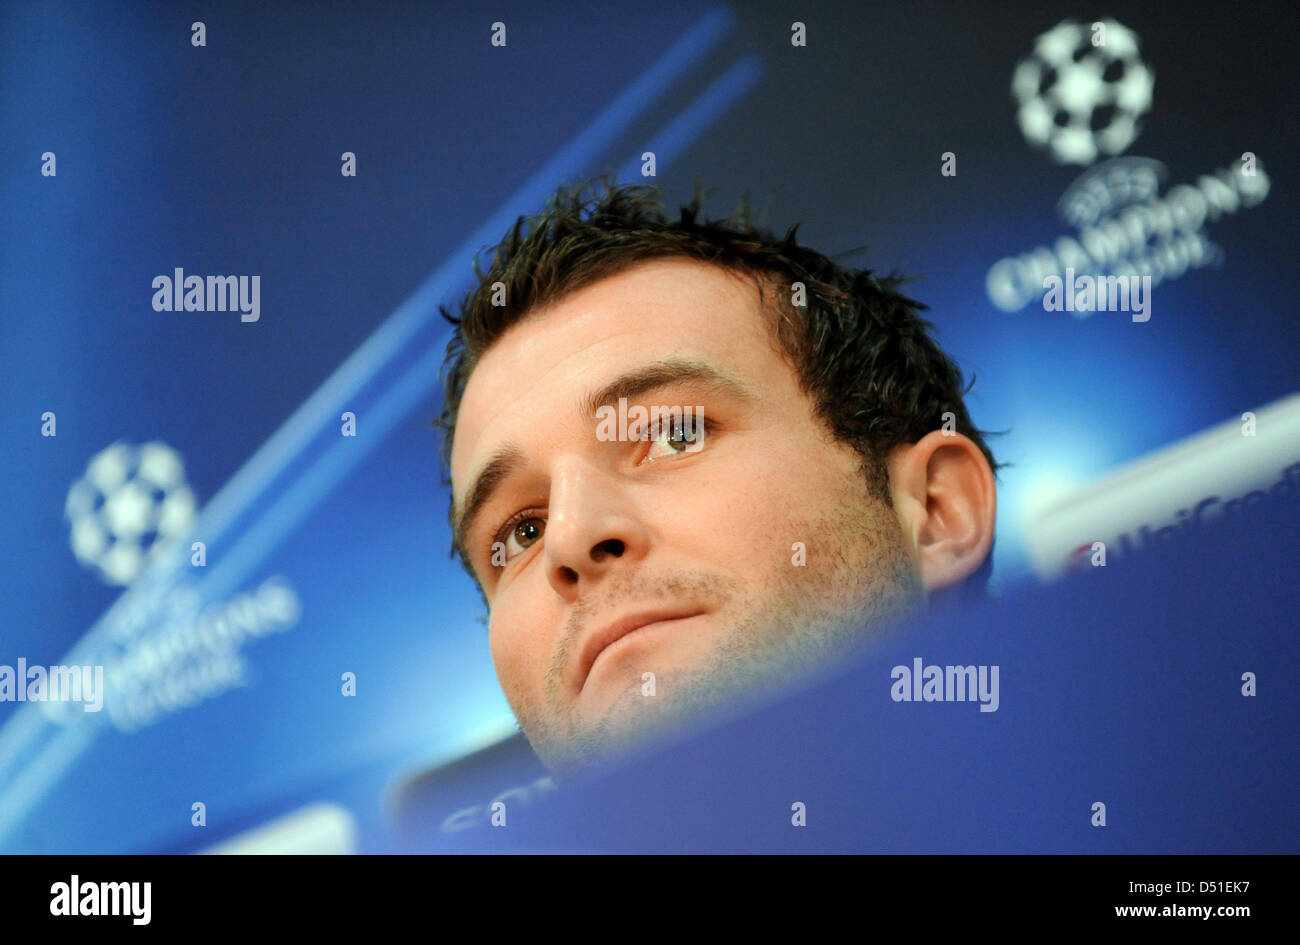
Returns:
(516, 537)
(675, 434)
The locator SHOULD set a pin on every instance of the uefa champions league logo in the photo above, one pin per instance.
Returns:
(130, 502)
(164, 651)
(1083, 91)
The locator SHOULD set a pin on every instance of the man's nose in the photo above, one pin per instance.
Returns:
(592, 525)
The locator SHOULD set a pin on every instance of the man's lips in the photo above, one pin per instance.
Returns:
(613, 632)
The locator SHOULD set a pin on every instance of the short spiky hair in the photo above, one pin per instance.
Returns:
(876, 377)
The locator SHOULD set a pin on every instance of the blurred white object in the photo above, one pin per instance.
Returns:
(1173, 492)
(316, 829)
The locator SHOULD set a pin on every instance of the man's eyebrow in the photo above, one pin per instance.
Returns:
(504, 462)
(661, 374)
(507, 460)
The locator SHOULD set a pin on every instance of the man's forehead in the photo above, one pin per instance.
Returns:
(588, 337)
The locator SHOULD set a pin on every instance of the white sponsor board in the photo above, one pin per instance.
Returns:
(1169, 495)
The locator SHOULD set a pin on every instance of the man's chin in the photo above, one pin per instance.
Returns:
(639, 721)
(769, 652)
(633, 723)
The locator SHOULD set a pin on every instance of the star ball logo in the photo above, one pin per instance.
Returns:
(1082, 92)
(128, 504)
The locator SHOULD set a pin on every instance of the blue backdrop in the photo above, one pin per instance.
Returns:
(327, 554)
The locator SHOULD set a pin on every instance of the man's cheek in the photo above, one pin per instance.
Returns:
(519, 670)
(712, 522)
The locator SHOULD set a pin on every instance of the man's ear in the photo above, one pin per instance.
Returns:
(946, 500)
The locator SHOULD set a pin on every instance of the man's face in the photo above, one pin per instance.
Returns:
(755, 554)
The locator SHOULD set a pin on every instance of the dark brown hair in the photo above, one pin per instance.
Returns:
(860, 349)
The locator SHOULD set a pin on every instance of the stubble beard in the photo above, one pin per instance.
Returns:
(858, 577)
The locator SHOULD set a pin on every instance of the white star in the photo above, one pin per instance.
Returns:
(1058, 44)
(1080, 86)
(1074, 146)
(1121, 42)
(127, 510)
(160, 465)
(1134, 90)
(108, 469)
